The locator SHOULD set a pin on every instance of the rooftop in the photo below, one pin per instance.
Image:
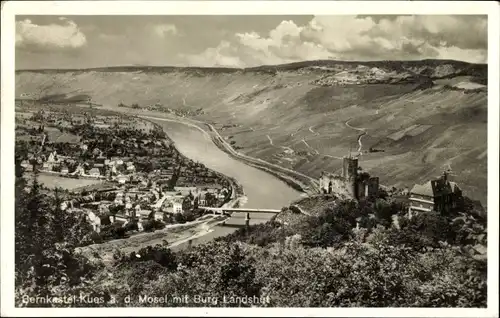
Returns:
(423, 189)
(435, 188)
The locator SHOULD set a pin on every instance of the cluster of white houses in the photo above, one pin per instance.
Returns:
(142, 204)
(143, 197)
(115, 168)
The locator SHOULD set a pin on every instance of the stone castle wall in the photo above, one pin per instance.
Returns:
(339, 186)
(349, 184)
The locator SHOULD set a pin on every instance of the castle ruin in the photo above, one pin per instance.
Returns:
(350, 183)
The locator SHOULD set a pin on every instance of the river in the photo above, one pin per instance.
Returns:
(261, 189)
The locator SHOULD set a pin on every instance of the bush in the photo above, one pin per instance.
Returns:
(168, 218)
(158, 253)
(293, 208)
(433, 226)
(367, 222)
(132, 226)
(112, 231)
(179, 218)
(321, 234)
(189, 216)
(383, 212)
(152, 225)
(259, 234)
(159, 225)
(148, 226)
(96, 238)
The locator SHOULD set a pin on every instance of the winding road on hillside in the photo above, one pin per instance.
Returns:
(363, 132)
(270, 140)
(304, 141)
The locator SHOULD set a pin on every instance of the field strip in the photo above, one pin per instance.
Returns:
(195, 236)
(311, 130)
(287, 148)
(483, 154)
(332, 157)
(305, 142)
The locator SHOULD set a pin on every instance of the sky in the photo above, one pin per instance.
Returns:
(243, 41)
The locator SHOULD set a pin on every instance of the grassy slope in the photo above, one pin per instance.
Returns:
(283, 104)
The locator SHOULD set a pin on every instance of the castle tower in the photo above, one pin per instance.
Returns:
(445, 175)
(350, 174)
(349, 168)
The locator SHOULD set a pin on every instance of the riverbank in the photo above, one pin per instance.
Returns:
(237, 188)
(294, 179)
(295, 184)
(174, 234)
(262, 188)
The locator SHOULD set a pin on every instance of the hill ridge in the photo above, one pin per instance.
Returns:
(418, 115)
(285, 66)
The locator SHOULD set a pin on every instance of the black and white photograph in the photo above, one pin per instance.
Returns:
(250, 160)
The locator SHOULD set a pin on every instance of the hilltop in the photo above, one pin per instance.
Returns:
(418, 116)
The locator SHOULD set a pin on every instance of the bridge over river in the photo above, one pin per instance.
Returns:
(224, 211)
(261, 188)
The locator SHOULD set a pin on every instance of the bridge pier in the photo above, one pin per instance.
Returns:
(247, 219)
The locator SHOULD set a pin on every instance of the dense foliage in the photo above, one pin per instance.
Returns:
(331, 260)
(45, 238)
(350, 254)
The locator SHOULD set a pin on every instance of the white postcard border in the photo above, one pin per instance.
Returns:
(12, 8)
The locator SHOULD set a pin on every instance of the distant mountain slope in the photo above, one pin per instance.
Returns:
(418, 116)
(423, 67)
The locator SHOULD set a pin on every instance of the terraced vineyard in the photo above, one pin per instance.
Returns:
(422, 116)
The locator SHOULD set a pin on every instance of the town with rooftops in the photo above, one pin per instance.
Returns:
(131, 172)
